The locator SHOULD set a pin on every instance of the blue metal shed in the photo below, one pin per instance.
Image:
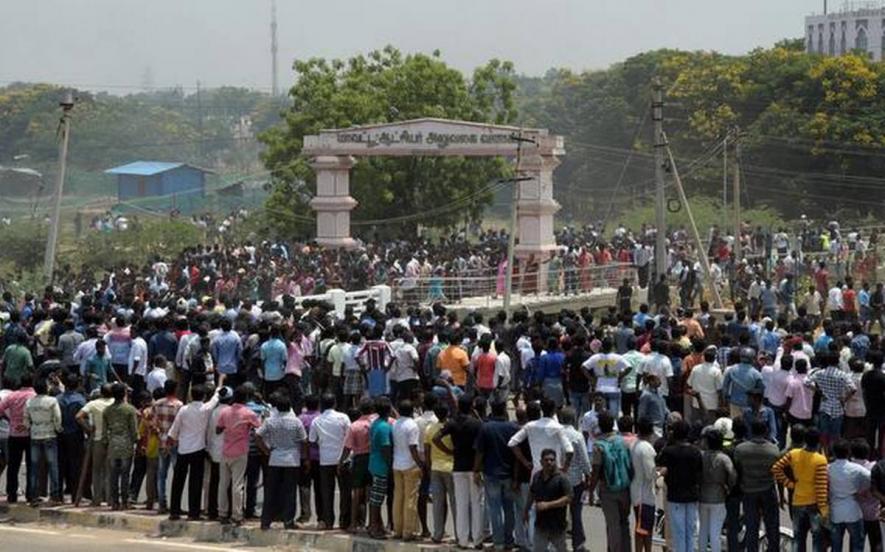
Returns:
(158, 179)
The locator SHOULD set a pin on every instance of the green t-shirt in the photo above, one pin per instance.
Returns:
(18, 362)
(380, 436)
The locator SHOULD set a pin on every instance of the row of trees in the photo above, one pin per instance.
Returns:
(811, 130)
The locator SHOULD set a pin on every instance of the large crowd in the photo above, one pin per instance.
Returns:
(202, 380)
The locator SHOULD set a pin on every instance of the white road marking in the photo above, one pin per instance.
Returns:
(183, 545)
(27, 530)
(80, 536)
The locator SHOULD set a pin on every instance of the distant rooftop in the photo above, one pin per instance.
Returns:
(148, 168)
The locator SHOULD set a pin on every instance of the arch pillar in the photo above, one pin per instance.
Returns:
(333, 202)
(535, 211)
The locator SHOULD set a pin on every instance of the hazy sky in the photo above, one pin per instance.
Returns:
(113, 44)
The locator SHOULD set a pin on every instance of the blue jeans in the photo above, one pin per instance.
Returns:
(613, 400)
(830, 427)
(855, 534)
(580, 402)
(500, 504)
(762, 505)
(45, 449)
(525, 532)
(806, 518)
(165, 461)
(684, 524)
(712, 518)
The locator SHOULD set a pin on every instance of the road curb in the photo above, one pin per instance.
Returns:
(207, 531)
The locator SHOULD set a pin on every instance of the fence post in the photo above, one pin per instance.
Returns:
(384, 295)
(338, 298)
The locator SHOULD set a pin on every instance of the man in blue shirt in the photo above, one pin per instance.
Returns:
(227, 351)
(273, 361)
(758, 411)
(71, 443)
(738, 380)
(380, 463)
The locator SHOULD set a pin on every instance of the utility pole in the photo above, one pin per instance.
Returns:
(724, 183)
(66, 104)
(511, 229)
(657, 107)
(273, 47)
(737, 196)
(702, 254)
(200, 119)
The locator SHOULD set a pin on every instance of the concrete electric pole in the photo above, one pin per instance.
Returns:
(66, 104)
(737, 196)
(273, 48)
(657, 113)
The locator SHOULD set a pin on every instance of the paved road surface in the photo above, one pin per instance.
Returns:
(49, 538)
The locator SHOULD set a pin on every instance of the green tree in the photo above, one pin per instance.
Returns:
(387, 86)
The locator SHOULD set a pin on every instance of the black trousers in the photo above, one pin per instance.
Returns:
(328, 476)
(254, 469)
(139, 470)
(19, 449)
(188, 463)
(71, 447)
(280, 488)
(214, 480)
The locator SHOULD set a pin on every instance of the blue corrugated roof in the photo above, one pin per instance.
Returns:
(144, 168)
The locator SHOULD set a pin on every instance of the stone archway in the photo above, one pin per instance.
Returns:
(333, 154)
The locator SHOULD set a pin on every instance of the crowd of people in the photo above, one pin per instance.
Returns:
(202, 381)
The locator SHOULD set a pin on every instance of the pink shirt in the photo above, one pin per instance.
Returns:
(13, 407)
(297, 353)
(357, 438)
(802, 397)
(776, 382)
(237, 421)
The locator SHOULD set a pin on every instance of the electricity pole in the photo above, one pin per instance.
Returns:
(66, 104)
(514, 211)
(724, 183)
(657, 114)
(737, 197)
(273, 47)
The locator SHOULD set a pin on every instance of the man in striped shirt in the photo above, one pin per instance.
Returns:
(804, 471)
(375, 356)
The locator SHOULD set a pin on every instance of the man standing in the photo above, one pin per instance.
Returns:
(682, 466)
(407, 468)
(835, 387)
(19, 443)
(380, 460)
(273, 362)
(163, 413)
(283, 439)
(328, 431)
(704, 384)
(43, 417)
(227, 352)
(847, 479)
(754, 460)
(189, 432)
(494, 465)
(804, 471)
(642, 488)
(356, 448)
(464, 429)
(613, 472)
(550, 493)
(739, 379)
(119, 344)
(605, 370)
(91, 419)
(17, 359)
(236, 423)
(70, 440)
(544, 433)
(120, 437)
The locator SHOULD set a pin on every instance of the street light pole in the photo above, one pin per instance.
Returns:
(514, 211)
(66, 104)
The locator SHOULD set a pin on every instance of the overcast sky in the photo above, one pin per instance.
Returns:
(113, 44)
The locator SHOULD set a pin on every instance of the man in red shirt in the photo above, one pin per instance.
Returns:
(849, 300)
(19, 443)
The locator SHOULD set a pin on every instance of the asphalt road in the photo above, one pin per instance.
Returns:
(49, 538)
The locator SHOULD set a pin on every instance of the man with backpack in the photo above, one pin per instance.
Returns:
(613, 472)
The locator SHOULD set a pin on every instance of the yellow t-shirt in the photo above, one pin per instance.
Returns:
(439, 460)
(809, 472)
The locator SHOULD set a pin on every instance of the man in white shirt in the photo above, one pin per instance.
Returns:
(605, 370)
(658, 364)
(157, 377)
(138, 362)
(543, 433)
(189, 431)
(404, 368)
(503, 373)
(705, 384)
(834, 301)
(407, 469)
(328, 431)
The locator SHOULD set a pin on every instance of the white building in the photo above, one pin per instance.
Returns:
(857, 26)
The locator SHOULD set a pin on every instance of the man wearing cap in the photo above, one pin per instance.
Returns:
(738, 380)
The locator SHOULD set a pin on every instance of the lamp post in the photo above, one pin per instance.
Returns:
(66, 104)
